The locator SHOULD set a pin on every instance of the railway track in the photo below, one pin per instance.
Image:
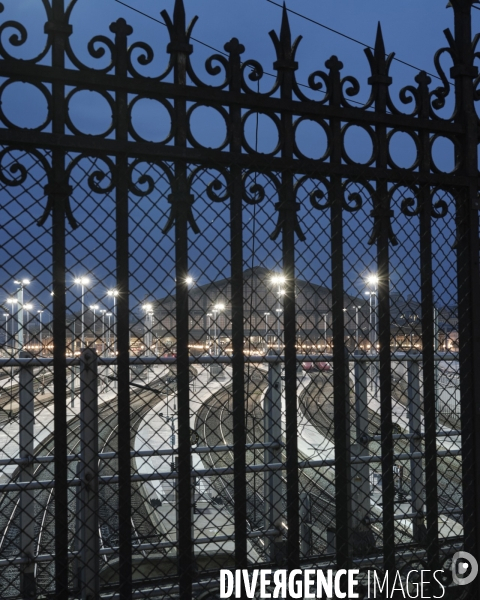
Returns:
(44, 500)
(215, 422)
(320, 415)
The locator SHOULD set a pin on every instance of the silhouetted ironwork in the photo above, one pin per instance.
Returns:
(296, 193)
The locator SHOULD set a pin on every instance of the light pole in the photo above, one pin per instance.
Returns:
(216, 309)
(279, 281)
(40, 313)
(94, 308)
(209, 329)
(114, 294)
(19, 304)
(107, 314)
(345, 324)
(28, 308)
(148, 308)
(267, 314)
(102, 312)
(373, 281)
(372, 320)
(6, 328)
(82, 281)
(357, 333)
(13, 302)
(279, 312)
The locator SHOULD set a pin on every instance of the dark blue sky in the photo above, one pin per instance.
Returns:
(412, 29)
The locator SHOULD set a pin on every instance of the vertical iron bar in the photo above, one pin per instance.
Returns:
(273, 479)
(415, 429)
(122, 320)
(238, 362)
(341, 388)
(380, 80)
(306, 527)
(58, 191)
(428, 340)
(467, 246)
(27, 516)
(181, 201)
(287, 207)
(360, 471)
(87, 501)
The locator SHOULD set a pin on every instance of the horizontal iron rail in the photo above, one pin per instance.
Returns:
(202, 449)
(97, 80)
(18, 560)
(111, 479)
(216, 158)
(254, 359)
(140, 453)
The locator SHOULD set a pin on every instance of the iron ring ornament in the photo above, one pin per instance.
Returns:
(42, 89)
(221, 111)
(326, 129)
(416, 140)
(163, 102)
(276, 121)
(110, 101)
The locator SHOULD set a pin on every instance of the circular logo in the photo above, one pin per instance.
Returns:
(464, 568)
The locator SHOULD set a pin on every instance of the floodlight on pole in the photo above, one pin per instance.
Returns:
(216, 309)
(19, 310)
(209, 329)
(148, 308)
(279, 280)
(82, 281)
(40, 313)
(372, 280)
(266, 329)
(6, 315)
(108, 314)
(12, 302)
(103, 312)
(94, 308)
(28, 307)
(114, 293)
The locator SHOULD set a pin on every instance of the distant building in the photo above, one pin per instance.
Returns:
(262, 313)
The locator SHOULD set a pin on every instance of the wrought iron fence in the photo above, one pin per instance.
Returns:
(192, 376)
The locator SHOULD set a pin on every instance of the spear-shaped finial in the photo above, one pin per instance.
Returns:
(379, 45)
(379, 61)
(285, 33)
(283, 44)
(179, 32)
(179, 18)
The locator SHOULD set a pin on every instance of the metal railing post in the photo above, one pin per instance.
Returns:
(26, 439)
(362, 537)
(305, 525)
(414, 426)
(88, 543)
(273, 479)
